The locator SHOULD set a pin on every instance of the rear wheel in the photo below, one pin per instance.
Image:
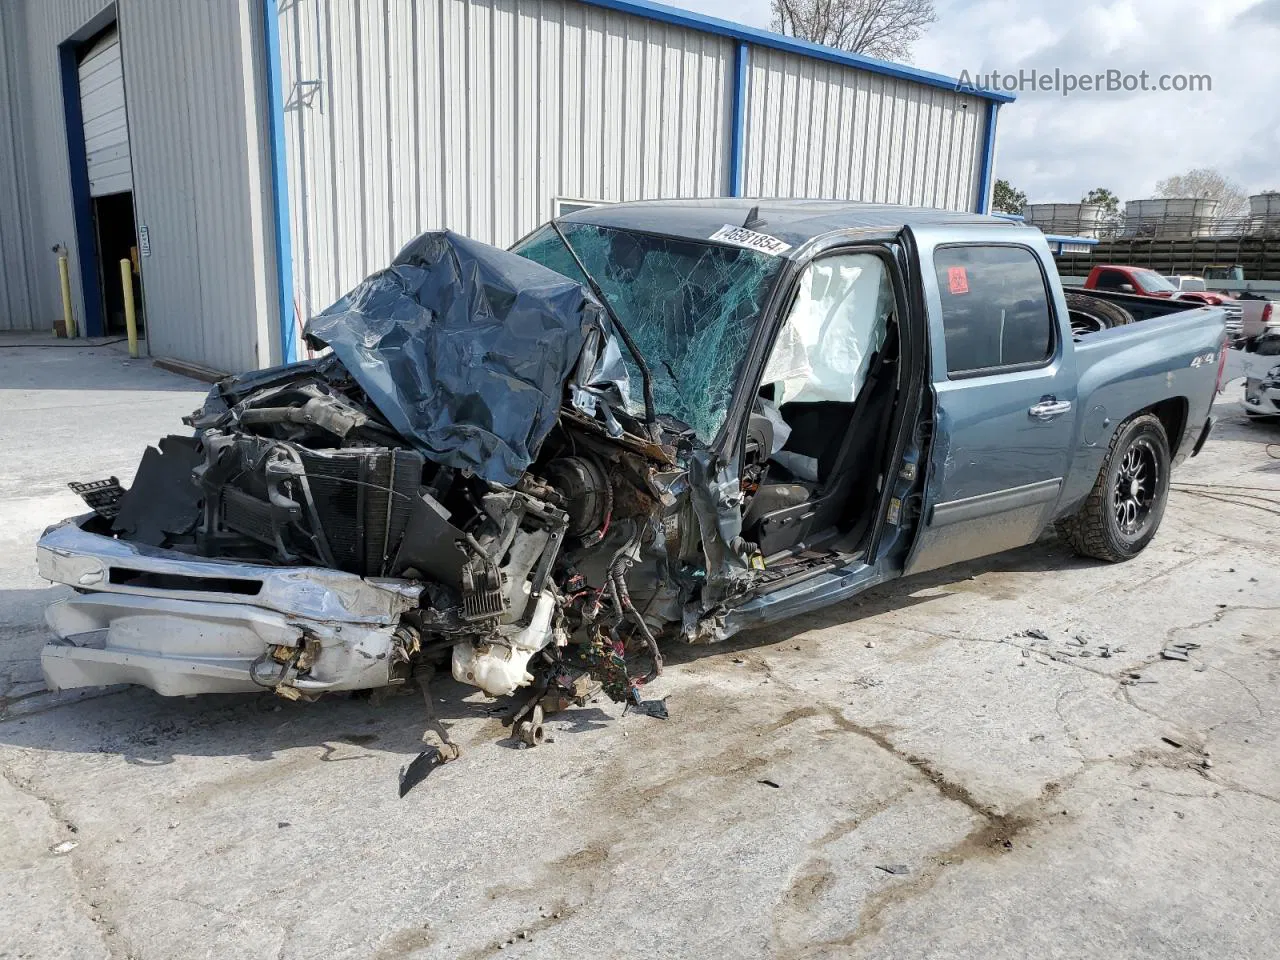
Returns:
(1089, 314)
(1125, 506)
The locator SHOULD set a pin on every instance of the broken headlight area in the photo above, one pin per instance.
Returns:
(526, 532)
(548, 577)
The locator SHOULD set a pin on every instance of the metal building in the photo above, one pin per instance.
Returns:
(193, 76)
(262, 156)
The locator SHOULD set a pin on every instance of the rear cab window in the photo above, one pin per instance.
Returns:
(995, 309)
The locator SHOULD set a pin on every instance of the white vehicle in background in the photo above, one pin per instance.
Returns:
(1196, 290)
(1258, 317)
(1261, 371)
(1188, 284)
(1249, 315)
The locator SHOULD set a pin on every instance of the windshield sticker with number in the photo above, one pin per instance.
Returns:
(742, 237)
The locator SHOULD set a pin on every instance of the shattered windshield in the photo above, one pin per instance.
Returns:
(690, 307)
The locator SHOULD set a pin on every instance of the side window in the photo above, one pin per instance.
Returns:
(1111, 280)
(995, 307)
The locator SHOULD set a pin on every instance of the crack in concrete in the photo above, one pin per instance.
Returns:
(993, 836)
(1124, 587)
(1124, 690)
(54, 807)
(1257, 704)
(995, 831)
(524, 933)
(1126, 696)
(1267, 546)
(1072, 740)
(949, 789)
(116, 945)
(1232, 786)
(58, 698)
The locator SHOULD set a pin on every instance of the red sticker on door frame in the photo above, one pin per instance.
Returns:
(957, 280)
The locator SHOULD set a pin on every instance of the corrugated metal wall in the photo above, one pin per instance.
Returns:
(405, 115)
(818, 129)
(18, 307)
(194, 82)
(40, 215)
(199, 167)
(475, 114)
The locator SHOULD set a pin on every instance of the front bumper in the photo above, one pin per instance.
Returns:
(183, 626)
(1262, 396)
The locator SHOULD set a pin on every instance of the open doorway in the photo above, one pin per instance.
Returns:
(116, 239)
(101, 168)
(819, 434)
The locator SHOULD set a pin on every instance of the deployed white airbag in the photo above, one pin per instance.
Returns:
(835, 326)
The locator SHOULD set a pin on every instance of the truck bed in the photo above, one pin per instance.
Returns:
(1166, 361)
(1142, 308)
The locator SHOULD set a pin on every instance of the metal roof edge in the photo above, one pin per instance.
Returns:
(765, 38)
(1063, 238)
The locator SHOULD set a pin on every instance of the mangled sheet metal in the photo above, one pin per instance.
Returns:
(462, 482)
(464, 349)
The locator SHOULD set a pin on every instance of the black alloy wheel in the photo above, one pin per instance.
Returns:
(1123, 510)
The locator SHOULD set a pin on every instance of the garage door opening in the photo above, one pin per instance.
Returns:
(108, 234)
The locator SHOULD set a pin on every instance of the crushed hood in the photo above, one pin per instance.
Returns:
(465, 349)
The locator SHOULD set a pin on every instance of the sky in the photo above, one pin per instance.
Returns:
(1056, 148)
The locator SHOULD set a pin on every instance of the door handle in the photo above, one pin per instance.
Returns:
(1049, 408)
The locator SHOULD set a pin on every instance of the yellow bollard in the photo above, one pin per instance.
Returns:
(130, 314)
(68, 318)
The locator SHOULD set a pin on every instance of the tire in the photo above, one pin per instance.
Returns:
(1091, 314)
(1119, 518)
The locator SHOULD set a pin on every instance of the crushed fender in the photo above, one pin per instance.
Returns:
(462, 481)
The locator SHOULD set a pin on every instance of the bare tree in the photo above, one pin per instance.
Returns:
(1204, 183)
(877, 28)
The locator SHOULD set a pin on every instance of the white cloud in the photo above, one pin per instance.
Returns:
(754, 13)
(1057, 148)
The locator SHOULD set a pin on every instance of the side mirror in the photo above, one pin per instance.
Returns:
(1126, 288)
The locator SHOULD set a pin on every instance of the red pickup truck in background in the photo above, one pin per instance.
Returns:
(1119, 278)
(1124, 279)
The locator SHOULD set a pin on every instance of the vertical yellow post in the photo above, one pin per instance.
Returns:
(130, 314)
(64, 274)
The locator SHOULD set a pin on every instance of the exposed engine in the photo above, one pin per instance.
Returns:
(460, 479)
(520, 583)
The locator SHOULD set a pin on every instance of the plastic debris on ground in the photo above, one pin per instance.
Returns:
(418, 769)
(650, 708)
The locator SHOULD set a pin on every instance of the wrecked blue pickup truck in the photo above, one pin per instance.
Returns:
(646, 423)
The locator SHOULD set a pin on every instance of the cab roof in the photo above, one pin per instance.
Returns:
(795, 222)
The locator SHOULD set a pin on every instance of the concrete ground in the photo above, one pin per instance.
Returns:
(906, 775)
